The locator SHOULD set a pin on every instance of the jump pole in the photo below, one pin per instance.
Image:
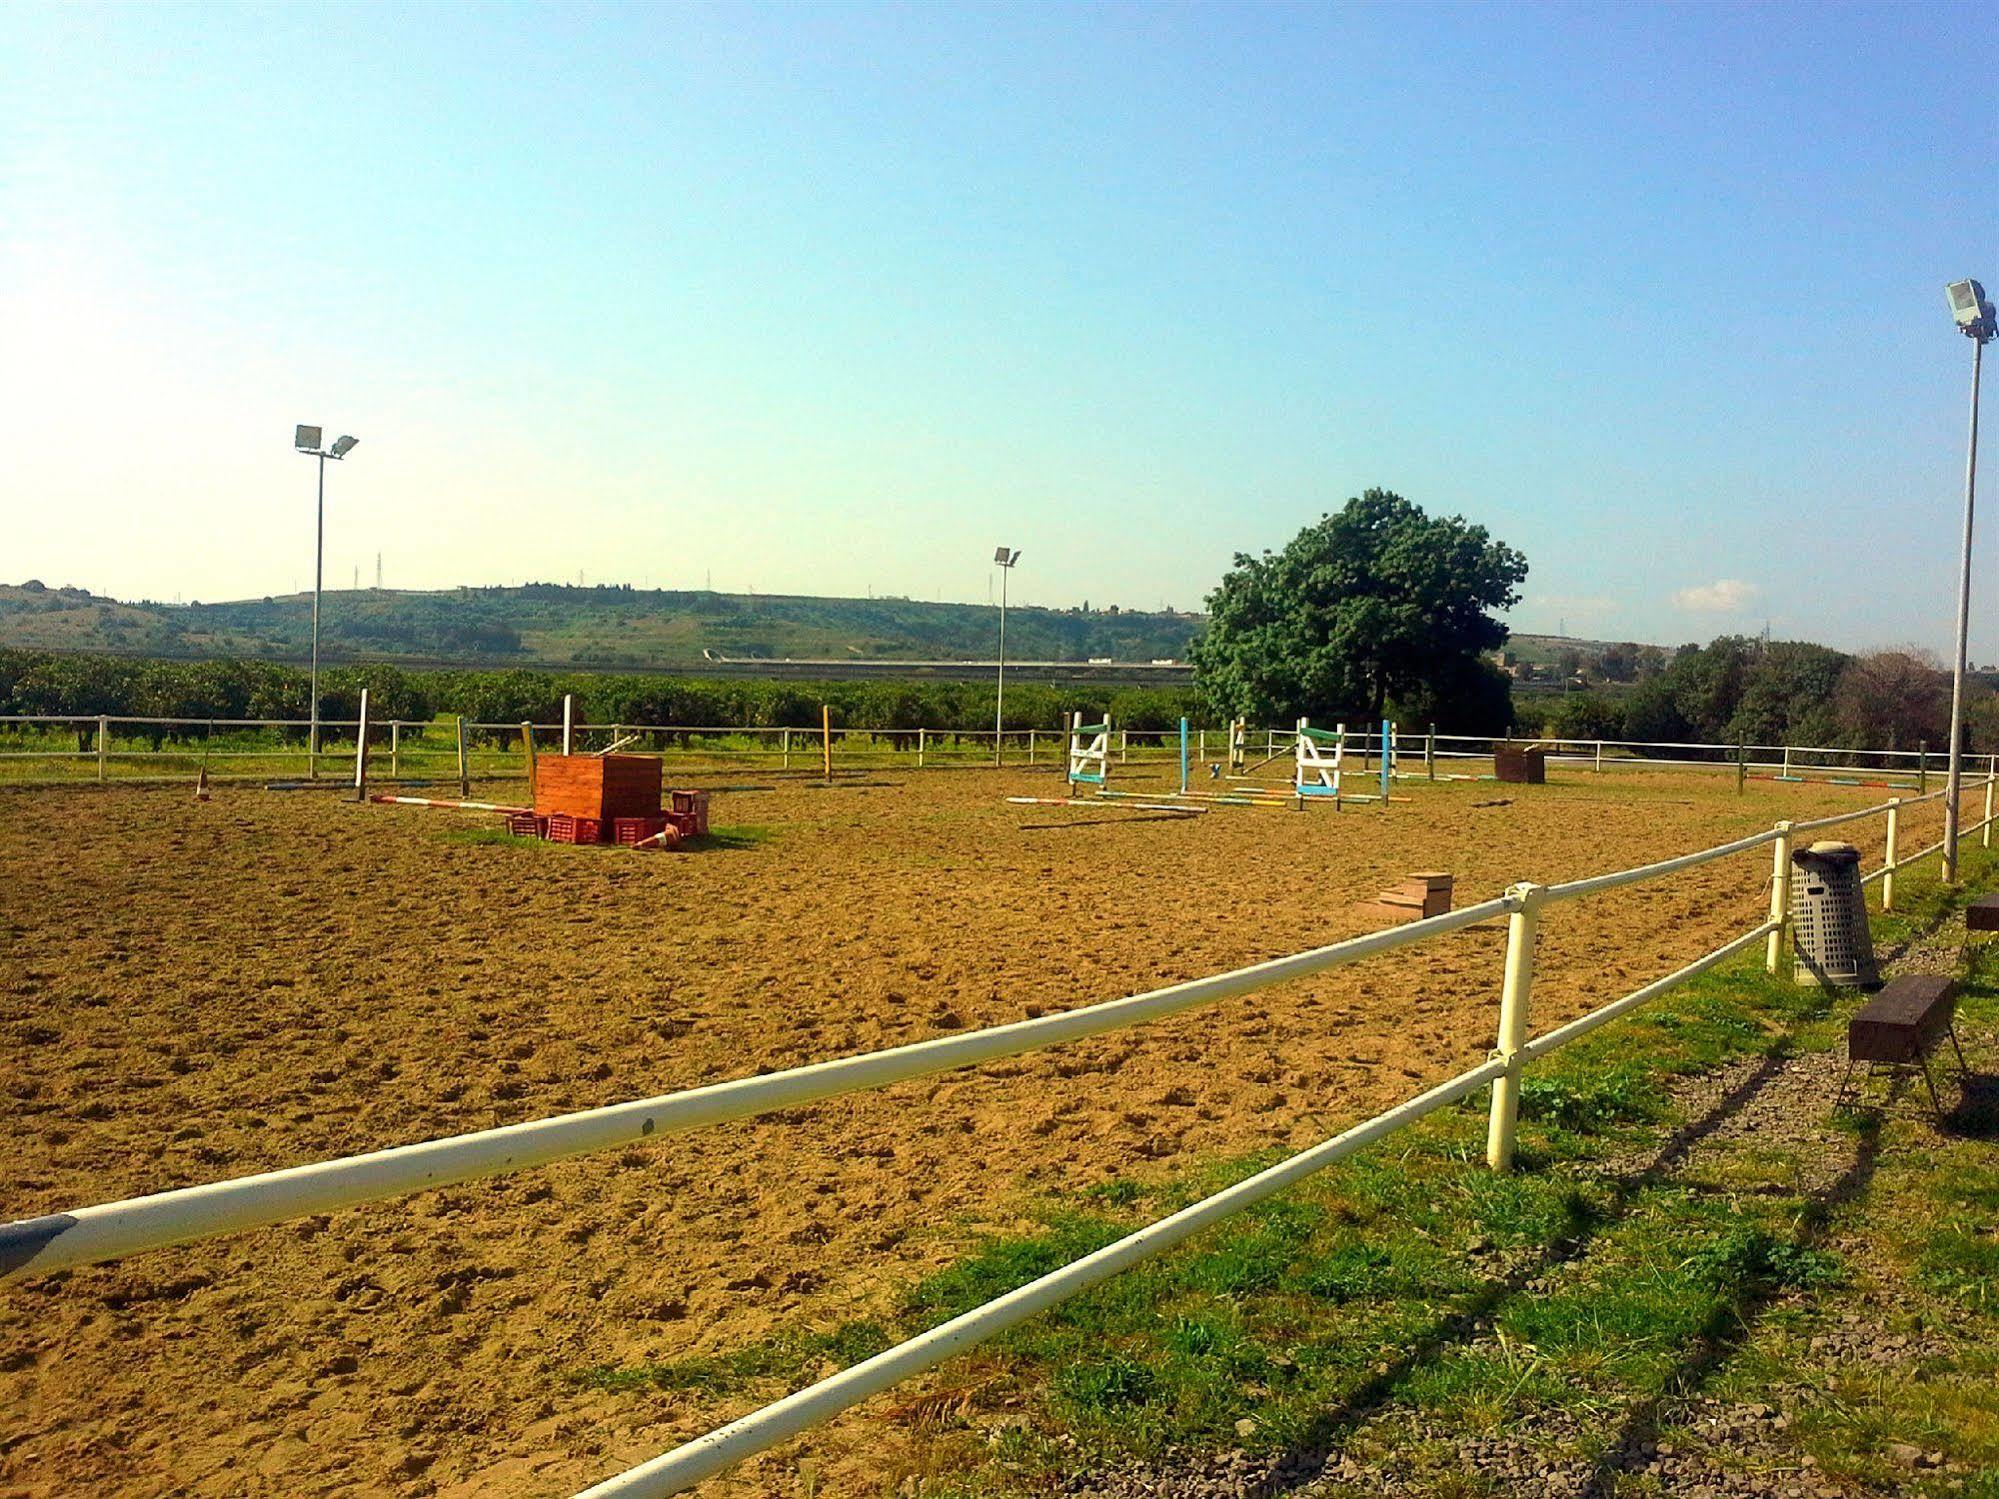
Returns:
(384, 800)
(1387, 759)
(464, 772)
(361, 752)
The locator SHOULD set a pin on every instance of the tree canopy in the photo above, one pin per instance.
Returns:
(1378, 603)
(1768, 692)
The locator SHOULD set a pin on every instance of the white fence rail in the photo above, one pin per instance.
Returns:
(107, 739)
(91, 1234)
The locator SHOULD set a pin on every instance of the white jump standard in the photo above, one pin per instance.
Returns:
(1089, 759)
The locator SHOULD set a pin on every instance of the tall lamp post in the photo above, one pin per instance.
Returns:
(1973, 315)
(306, 441)
(1005, 560)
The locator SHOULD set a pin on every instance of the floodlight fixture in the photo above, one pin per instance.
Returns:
(1970, 311)
(306, 439)
(1006, 558)
(342, 446)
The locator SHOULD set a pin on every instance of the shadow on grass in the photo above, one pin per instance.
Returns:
(1306, 1457)
(1728, 1326)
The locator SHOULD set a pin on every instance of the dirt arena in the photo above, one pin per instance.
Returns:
(192, 991)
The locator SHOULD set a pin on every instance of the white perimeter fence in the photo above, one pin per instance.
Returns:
(88, 1235)
(107, 747)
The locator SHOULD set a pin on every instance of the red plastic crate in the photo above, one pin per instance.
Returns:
(686, 824)
(626, 831)
(527, 825)
(693, 804)
(562, 828)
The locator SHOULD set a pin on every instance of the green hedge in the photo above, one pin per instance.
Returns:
(43, 682)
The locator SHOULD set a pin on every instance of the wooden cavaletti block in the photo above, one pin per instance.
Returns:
(599, 786)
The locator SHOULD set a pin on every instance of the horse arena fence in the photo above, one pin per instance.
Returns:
(106, 1231)
(36, 748)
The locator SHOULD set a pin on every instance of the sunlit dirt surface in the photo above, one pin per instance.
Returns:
(193, 991)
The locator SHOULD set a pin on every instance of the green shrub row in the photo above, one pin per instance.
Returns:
(51, 683)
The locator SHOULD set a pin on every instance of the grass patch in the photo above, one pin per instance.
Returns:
(1590, 1104)
(737, 835)
(485, 836)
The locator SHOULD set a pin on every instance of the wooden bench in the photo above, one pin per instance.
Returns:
(1901, 1026)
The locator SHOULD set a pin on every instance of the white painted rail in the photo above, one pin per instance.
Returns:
(88, 1235)
(705, 1456)
(708, 1455)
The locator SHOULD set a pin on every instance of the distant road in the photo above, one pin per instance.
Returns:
(856, 668)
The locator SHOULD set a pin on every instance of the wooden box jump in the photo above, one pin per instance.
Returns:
(1427, 892)
(1982, 915)
(1525, 765)
(600, 787)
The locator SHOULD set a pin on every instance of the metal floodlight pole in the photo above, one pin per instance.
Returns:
(318, 570)
(307, 441)
(1005, 558)
(1975, 320)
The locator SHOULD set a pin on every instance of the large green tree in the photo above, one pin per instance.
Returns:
(1377, 603)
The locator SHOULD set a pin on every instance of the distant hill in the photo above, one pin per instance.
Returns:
(553, 625)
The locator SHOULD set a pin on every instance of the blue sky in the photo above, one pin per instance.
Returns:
(827, 298)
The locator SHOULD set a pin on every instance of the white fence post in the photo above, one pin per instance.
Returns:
(1030, 746)
(464, 769)
(922, 747)
(1787, 760)
(1513, 1000)
(1124, 746)
(1985, 832)
(1780, 898)
(1599, 757)
(361, 751)
(1888, 878)
(395, 749)
(103, 745)
(784, 745)
(568, 723)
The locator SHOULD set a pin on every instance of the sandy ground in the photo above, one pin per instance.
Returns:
(190, 992)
